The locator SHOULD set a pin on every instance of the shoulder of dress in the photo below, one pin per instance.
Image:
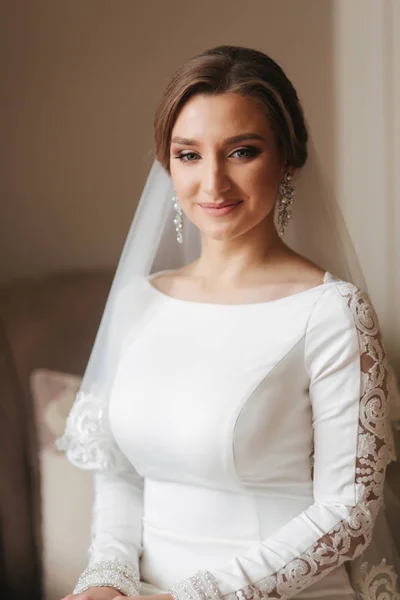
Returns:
(358, 303)
(131, 297)
(342, 307)
(346, 288)
(130, 288)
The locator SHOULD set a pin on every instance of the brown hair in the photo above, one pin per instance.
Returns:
(243, 71)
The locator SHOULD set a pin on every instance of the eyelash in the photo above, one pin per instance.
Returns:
(251, 150)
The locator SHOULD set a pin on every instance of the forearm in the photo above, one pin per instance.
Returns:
(116, 534)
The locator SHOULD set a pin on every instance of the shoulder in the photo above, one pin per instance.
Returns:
(164, 281)
(344, 301)
(128, 303)
(343, 322)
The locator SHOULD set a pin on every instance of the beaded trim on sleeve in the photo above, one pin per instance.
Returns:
(352, 535)
(200, 586)
(114, 573)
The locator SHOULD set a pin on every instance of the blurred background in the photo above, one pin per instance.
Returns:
(80, 81)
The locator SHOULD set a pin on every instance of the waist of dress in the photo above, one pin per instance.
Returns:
(187, 528)
(179, 510)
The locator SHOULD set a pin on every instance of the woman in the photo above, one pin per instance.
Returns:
(236, 403)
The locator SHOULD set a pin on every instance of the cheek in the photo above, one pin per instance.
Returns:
(185, 180)
(262, 185)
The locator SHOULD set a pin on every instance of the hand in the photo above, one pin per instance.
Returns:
(96, 593)
(150, 597)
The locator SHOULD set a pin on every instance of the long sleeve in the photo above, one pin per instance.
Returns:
(348, 371)
(116, 533)
(89, 444)
(118, 498)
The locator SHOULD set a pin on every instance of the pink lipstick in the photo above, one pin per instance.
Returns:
(220, 209)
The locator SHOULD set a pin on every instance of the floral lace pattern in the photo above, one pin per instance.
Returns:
(352, 535)
(376, 582)
(87, 440)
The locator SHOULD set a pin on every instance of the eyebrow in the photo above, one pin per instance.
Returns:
(232, 140)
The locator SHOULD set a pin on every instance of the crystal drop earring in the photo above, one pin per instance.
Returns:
(285, 198)
(178, 222)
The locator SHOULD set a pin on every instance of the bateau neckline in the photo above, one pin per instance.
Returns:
(328, 278)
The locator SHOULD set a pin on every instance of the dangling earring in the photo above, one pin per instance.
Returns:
(285, 197)
(178, 219)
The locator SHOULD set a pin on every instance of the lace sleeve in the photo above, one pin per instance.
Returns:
(348, 371)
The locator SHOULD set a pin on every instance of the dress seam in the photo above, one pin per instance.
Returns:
(260, 383)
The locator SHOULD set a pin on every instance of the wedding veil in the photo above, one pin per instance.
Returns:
(317, 230)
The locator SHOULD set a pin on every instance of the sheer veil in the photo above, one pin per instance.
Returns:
(317, 230)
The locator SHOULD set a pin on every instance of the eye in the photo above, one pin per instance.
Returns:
(245, 152)
(184, 156)
(249, 152)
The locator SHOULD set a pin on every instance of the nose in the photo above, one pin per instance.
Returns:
(215, 179)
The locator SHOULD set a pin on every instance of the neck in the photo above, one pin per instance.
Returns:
(228, 261)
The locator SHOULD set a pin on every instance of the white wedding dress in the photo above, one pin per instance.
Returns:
(243, 450)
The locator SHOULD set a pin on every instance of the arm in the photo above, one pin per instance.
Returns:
(118, 498)
(347, 367)
(118, 488)
(116, 533)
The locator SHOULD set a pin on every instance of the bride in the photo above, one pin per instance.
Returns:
(237, 403)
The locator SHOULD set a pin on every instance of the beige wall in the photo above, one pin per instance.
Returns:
(81, 82)
(367, 146)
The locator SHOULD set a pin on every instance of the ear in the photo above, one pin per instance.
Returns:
(291, 169)
(283, 170)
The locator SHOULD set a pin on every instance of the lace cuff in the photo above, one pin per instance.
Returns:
(114, 573)
(87, 439)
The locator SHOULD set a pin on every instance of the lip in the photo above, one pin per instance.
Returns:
(220, 209)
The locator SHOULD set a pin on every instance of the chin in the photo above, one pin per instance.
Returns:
(218, 233)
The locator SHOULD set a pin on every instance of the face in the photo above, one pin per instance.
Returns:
(223, 152)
